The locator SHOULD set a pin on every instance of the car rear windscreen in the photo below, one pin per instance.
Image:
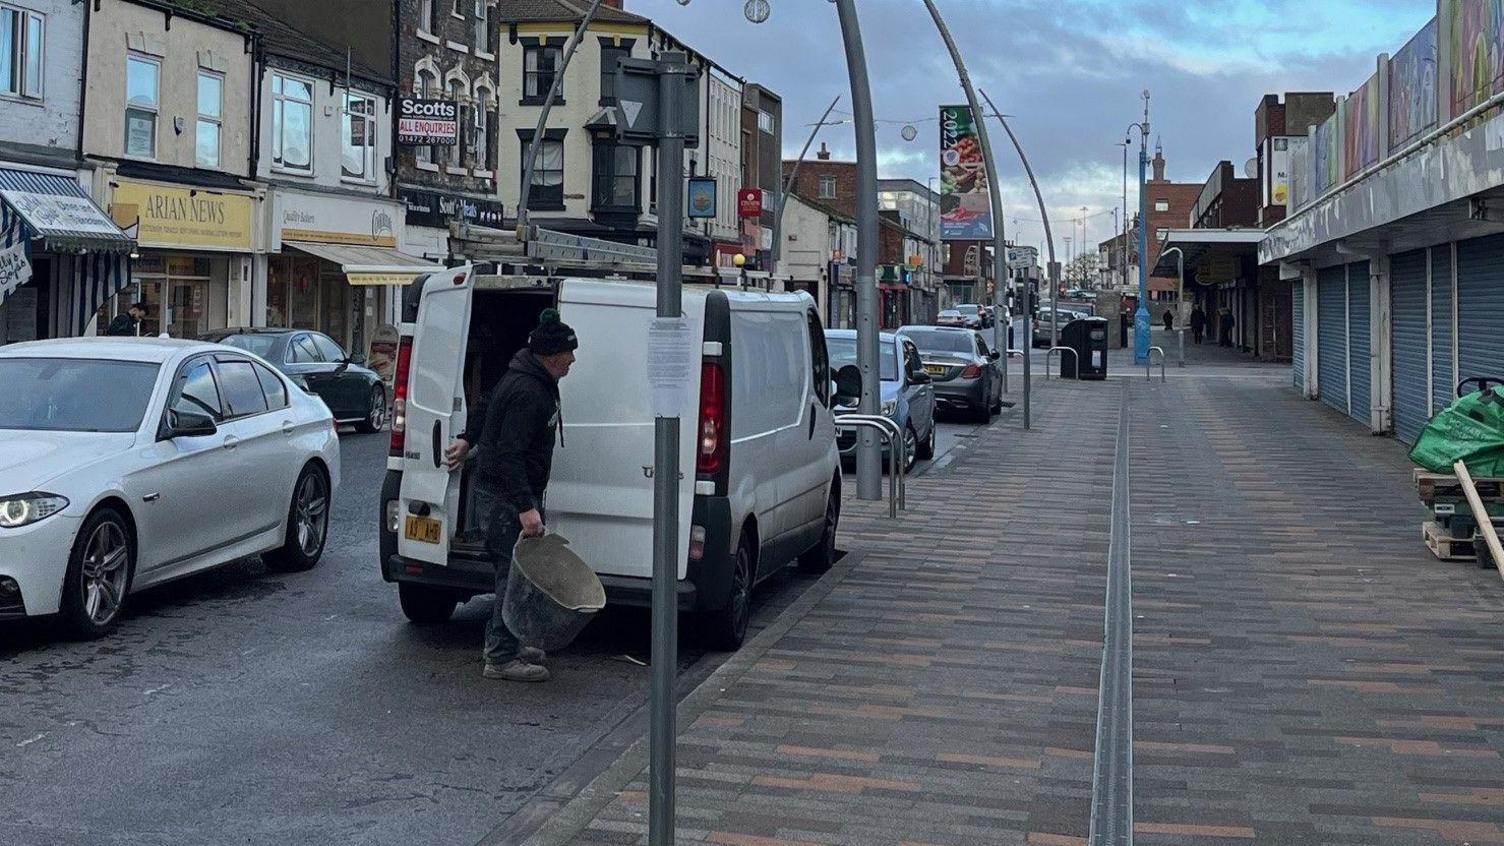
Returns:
(74, 394)
(929, 340)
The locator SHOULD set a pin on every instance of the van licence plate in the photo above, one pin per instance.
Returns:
(425, 529)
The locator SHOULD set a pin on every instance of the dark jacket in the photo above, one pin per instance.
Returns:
(1198, 319)
(123, 324)
(514, 432)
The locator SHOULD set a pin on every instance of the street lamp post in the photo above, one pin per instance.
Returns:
(535, 144)
(999, 249)
(1141, 316)
(788, 185)
(1179, 298)
(1049, 238)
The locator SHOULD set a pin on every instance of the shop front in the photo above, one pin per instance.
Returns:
(893, 287)
(427, 216)
(60, 255)
(335, 266)
(194, 258)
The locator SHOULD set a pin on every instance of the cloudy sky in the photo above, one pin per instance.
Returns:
(1069, 72)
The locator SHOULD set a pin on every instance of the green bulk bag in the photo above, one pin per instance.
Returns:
(1470, 430)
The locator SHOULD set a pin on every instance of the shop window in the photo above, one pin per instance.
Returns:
(210, 108)
(547, 192)
(292, 124)
(358, 158)
(142, 87)
(538, 67)
(21, 52)
(616, 178)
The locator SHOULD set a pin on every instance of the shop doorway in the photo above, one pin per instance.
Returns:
(176, 292)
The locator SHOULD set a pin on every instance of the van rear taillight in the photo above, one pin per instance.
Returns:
(713, 437)
(399, 395)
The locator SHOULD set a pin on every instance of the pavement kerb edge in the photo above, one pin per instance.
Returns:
(577, 814)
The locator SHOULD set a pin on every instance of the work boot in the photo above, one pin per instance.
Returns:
(532, 655)
(517, 670)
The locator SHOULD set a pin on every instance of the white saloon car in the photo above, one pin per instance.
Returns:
(125, 463)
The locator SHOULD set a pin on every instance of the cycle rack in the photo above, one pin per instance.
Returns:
(1149, 364)
(898, 458)
(1074, 357)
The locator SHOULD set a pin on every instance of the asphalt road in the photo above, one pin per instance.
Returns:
(242, 706)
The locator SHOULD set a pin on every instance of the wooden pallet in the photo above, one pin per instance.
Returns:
(1444, 546)
(1444, 486)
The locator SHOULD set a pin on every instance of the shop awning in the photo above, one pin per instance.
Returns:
(368, 265)
(1211, 255)
(56, 209)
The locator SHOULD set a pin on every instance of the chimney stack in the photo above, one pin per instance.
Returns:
(615, 4)
(824, 153)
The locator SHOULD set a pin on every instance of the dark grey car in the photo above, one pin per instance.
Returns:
(967, 373)
(353, 393)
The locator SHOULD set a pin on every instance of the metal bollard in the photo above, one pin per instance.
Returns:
(1074, 357)
(1149, 364)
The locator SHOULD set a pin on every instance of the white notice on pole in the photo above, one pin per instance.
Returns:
(671, 358)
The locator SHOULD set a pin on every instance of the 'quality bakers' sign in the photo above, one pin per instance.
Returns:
(427, 122)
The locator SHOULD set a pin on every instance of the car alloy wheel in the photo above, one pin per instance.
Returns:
(910, 448)
(105, 572)
(311, 510)
(377, 418)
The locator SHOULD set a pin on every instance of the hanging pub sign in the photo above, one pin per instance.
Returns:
(702, 197)
(749, 202)
(422, 123)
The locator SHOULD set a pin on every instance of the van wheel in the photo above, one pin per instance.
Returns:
(425, 605)
(728, 627)
(307, 525)
(822, 557)
(100, 570)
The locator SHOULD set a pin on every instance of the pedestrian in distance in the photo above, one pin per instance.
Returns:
(1198, 323)
(1227, 323)
(513, 435)
(129, 323)
(1169, 320)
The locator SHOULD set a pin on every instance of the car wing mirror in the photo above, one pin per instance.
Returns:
(848, 384)
(188, 424)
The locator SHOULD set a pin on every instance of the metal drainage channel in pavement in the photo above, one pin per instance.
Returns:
(1112, 773)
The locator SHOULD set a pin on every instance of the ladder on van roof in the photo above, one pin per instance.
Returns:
(552, 254)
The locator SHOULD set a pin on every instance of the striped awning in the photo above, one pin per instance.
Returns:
(55, 209)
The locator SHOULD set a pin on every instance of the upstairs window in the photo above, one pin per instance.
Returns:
(1161, 205)
(427, 11)
(610, 58)
(482, 27)
(358, 157)
(616, 178)
(827, 187)
(142, 87)
(21, 48)
(211, 87)
(427, 86)
(547, 192)
(538, 67)
(765, 123)
(292, 123)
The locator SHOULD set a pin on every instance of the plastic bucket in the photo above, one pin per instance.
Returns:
(551, 594)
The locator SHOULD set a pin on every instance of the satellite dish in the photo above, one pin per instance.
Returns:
(1251, 168)
(909, 133)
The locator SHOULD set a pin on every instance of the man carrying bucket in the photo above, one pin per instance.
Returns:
(515, 430)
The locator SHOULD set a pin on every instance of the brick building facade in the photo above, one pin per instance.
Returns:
(1170, 205)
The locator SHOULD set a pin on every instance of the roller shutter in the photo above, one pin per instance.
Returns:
(1331, 336)
(1407, 310)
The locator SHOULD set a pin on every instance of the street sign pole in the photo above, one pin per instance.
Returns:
(665, 655)
(656, 105)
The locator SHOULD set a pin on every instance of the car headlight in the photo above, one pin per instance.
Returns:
(890, 407)
(25, 509)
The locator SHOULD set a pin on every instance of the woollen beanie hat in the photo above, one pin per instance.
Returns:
(552, 336)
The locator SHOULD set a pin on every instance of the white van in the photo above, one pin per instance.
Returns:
(761, 482)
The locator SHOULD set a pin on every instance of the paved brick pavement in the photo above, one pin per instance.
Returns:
(1305, 672)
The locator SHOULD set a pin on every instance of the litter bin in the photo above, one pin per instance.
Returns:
(1088, 337)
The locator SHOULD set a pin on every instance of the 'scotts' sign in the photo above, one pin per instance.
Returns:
(423, 123)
